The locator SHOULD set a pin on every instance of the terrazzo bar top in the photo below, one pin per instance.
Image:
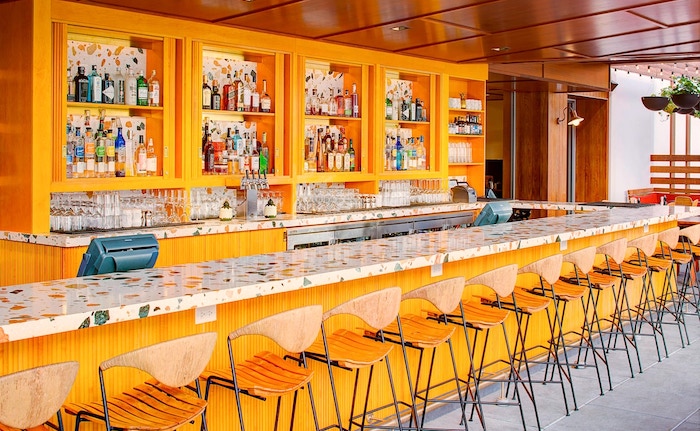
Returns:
(36, 309)
(211, 227)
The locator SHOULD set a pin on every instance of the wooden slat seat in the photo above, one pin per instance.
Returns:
(161, 403)
(419, 332)
(30, 398)
(351, 350)
(265, 375)
(527, 301)
(629, 270)
(483, 316)
(566, 291)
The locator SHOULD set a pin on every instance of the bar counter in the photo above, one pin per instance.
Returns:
(36, 309)
(213, 227)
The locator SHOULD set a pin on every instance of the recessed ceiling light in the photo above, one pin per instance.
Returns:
(500, 48)
(399, 28)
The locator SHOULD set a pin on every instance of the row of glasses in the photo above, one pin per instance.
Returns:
(321, 198)
(395, 193)
(430, 191)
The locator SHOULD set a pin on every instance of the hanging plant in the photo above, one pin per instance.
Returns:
(685, 92)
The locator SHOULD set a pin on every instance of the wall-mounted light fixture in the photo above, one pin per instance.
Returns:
(574, 118)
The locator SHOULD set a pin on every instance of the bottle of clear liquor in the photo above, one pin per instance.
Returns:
(120, 150)
(255, 95)
(131, 88)
(95, 94)
(100, 150)
(89, 153)
(108, 89)
(355, 101)
(79, 155)
(70, 149)
(110, 154)
(247, 93)
(119, 88)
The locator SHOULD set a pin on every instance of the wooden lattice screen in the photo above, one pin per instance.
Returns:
(676, 174)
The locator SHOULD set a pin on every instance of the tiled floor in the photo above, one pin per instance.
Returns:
(666, 396)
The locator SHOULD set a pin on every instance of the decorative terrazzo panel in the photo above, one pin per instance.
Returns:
(106, 57)
(35, 309)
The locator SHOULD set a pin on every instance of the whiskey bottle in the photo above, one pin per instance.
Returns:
(141, 90)
(153, 90)
(314, 103)
(151, 159)
(238, 93)
(81, 85)
(206, 93)
(265, 99)
(321, 152)
(340, 104)
(140, 155)
(131, 88)
(247, 93)
(347, 104)
(225, 93)
(215, 96)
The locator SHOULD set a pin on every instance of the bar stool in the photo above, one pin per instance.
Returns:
(575, 286)
(173, 364)
(689, 240)
(266, 374)
(670, 301)
(614, 254)
(350, 350)
(480, 317)
(646, 310)
(418, 333)
(30, 398)
(525, 303)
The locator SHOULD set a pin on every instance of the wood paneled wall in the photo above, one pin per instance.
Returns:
(592, 150)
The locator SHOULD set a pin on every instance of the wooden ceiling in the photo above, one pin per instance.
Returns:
(464, 31)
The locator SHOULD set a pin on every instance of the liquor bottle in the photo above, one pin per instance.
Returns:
(255, 153)
(206, 93)
(419, 110)
(131, 89)
(265, 99)
(405, 110)
(100, 150)
(422, 163)
(215, 96)
(119, 88)
(264, 155)
(141, 90)
(108, 89)
(208, 155)
(151, 159)
(255, 96)
(205, 138)
(140, 155)
(79, 155)
(246, 159)
(320, 153)
(350, 158)
(81, 85)
(238, 148)
(310, 164)
(70, 86)
(397, 107)
(389, 108)
(347, 104)
(307, 102)
(314, 103)
(247, 93)
(95, 95)
(120, 150)
(399, 153)
(239, 93)
(355, 101)
(153, 90)
(110, 154)
(412, 110)
(323, 104)
(89, 154)
(70, 149)
(225, 90)
(339, 156)
(332, 105)
(340, 103)
(330, 155)
(230, 155)
(390, 152)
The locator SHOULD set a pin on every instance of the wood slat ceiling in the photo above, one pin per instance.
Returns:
(464, 31)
